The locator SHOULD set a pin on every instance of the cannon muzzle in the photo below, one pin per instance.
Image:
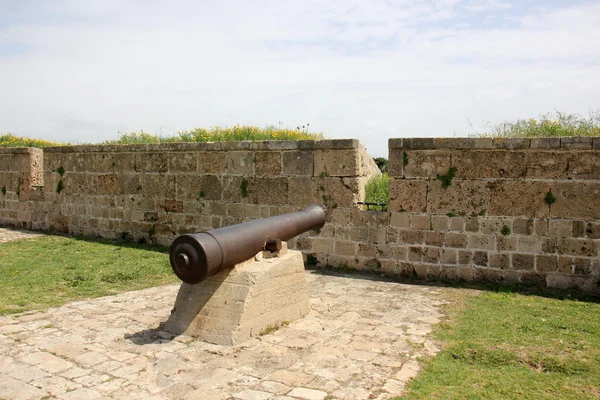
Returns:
(194, 257)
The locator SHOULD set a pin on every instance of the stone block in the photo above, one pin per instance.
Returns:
(578, 247)
(584, 165)
(456, 240)
(240, 163)
(518, 198)
(267, 163)
(440, 222)
(548, 164)
(336, 163)
(565, 264)
(434, 238)
(448, 256)
(411, 237)
(461, 197)
(420, 222)
(408, 195)
(128, 184)
(482, 242)
(175, 206)
(396, 162)
(235, 188)
(415, 253)
(323, 245)
(366, 250)
(151, 162)
(576, 142)
(377, 235)
(336, 192)
(305, 191)
(523, 261)
(480, 258)
(418, 143)
(457, 224)
(499, 260)
(488, 275)
(578, 228)
(371, 218)
(549, 245)
(238, 304)
(576, 200)
(593, 230)
(299, 163)
(157, 186)
(183, 162)
(491, 225)
(345, 248)
(472, 224)
(541, 227)
(427, 164)
(431, 255)
(506, 243)
(485, 164)
(212, 162)
(546, 263)
(522, 226)
(108, 184)
(529, 244)
(402, 220)
(545, 143)
(510, 143)
(463, 143)
(391, 234)
(582, 266)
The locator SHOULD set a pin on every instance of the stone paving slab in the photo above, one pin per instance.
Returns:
(361, 340)
(7, 235)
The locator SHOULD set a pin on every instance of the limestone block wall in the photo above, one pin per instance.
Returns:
(21, 177)
(511, 210)
(156, 192)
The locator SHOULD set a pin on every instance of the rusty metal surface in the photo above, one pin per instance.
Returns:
(194, 257)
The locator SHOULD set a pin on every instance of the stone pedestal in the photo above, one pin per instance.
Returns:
(242, 302)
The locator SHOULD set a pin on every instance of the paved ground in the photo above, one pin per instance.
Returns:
(360, 341)
(6, 235)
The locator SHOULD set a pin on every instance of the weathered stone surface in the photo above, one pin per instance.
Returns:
(408, 195)
(498, 164)
(267, 163)
(336, 163)
(576, 200)
(299, 163)
(424, 164)
(516, 198)
(461, 197)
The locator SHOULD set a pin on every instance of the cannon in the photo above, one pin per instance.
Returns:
(194, 257)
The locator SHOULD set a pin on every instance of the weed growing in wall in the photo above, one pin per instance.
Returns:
(4, 190)
(404, 159)
(10, 140)
(550, 198)
(244, 188)
(447, 178)
(505, 230)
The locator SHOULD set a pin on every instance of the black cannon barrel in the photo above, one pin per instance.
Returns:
(194, 257)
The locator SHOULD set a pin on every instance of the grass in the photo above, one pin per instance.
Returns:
(50, 271)
(554, 124)
(503, 345)
(221, 134)
(377, 189)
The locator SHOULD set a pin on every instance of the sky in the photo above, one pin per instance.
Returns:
(86, 70)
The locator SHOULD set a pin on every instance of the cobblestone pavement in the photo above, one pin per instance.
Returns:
(360, 341)
(7, 235)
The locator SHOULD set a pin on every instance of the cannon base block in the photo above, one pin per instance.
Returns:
(243, 302)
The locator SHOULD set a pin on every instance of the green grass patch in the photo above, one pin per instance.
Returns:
(10, 140)
(220, 134)
(377, 189)
(554, 124)
(513, 346)
(50, 271)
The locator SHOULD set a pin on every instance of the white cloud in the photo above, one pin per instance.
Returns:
(368, 70)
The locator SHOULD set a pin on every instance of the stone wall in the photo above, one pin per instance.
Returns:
(156, 192)
(499, 210)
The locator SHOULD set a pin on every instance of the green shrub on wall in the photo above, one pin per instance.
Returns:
(10, 140)
(554, 124)
(376, 190)
(219, 134)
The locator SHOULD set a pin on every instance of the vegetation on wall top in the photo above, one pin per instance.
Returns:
(554, 124)
(220, 134)
(10, 140)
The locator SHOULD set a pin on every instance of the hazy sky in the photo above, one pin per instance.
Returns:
(82, 70)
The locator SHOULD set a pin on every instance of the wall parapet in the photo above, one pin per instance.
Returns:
(494, 143)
